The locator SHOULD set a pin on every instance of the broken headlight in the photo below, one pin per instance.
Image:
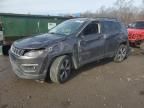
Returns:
(34, 53)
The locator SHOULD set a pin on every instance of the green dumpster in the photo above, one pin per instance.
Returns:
(17, 26)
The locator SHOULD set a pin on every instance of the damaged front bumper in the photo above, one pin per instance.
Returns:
(29, 68)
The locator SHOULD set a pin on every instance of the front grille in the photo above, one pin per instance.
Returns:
(17, 51)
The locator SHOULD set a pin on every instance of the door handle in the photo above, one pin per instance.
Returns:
(83, 42)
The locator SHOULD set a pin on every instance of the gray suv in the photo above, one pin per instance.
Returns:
(71, 44)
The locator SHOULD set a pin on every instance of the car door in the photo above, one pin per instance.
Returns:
(91, 43)
(113, 34)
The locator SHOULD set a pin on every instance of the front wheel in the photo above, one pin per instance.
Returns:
(60, 69)
(121, 53)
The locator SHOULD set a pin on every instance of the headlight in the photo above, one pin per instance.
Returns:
(34, 53)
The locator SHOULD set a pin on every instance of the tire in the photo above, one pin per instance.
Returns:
(60, 69)
(5, 49)
(121, 53)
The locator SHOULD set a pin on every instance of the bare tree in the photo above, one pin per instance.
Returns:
(122, 9)
(141, 12)
(125, 10)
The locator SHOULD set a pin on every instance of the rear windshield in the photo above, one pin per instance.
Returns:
(0, 27)
(137, 25)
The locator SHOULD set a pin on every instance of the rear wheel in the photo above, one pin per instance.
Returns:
(121, 53)
(60, 69)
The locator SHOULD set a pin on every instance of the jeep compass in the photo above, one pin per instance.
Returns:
(71, 44)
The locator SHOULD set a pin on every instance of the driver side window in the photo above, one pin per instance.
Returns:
(92, 28)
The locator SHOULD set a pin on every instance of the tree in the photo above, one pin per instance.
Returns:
(125, 10)
(122, 9)
(141, 12)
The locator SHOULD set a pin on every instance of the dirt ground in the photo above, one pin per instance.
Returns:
(103, 84)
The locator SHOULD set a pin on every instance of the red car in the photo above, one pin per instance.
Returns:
(136, 33)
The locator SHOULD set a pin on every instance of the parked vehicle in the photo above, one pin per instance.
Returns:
(136, 33)
(17, 26)
(71, 44)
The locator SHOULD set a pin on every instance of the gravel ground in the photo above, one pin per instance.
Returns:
(102, 84)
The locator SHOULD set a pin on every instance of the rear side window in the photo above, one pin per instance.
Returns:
(117, 26)
(111, 27)
(92, 28)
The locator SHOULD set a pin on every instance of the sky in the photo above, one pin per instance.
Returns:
(54, 6)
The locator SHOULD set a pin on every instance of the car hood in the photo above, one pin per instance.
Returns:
(37, 42)
(136, 31)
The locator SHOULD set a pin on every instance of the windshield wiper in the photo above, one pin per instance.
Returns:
(52, 32)
(57, 33)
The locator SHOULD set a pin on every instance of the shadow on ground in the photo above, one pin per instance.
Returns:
(85, 68)
(89, 66)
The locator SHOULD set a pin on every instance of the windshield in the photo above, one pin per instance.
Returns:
(67, 27)
(138, 25)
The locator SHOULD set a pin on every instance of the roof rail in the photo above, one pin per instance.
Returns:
(102, 18)
(109, 18)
